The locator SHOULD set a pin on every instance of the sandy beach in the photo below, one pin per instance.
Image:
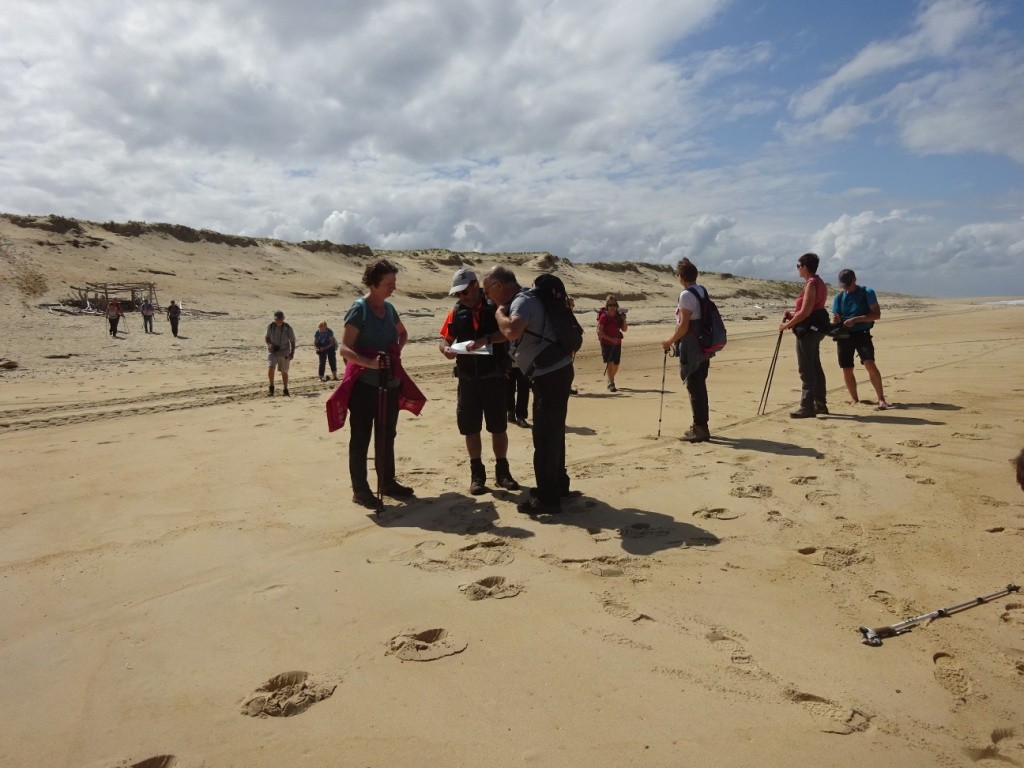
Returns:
(174, 540)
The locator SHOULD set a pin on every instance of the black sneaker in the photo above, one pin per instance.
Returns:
(803, 413)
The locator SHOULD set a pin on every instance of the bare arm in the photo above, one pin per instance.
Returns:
(511, 327)
(347, 348)
(681, 329)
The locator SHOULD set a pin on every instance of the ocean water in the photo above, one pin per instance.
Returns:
(1017, 302)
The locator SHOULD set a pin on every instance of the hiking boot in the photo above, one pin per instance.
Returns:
(803, 413)
(396, 490)
(510, 417)
(522, 423)
(367, 498)
(477, 477)
(697, 434)
(286, 392)
(270, 390)
(611, 387)
(503, 476)
(820, 408)
(534, 506)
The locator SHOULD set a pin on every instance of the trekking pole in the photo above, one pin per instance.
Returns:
(661, 408)
(768, 383)
(380, 430)
(874, 637)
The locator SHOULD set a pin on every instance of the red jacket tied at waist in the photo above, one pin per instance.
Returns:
(409, 396)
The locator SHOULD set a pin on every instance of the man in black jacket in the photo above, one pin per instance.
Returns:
(471, 329)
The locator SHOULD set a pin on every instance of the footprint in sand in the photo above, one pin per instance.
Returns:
(970, 436)
(640, 531)
(921, 479)
(424, 645)
(427, 555)
(991, 751)
(834, 718)
(477, 554)
(917, 444)
(716, 513)
(803, 479)
(287, 694)
(1013, 613)
(821, 498)
(837, 558)
(951, 676)
(622, 611)
(752, 492)
(492, 586)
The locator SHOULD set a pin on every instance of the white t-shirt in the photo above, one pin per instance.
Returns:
(688, 301)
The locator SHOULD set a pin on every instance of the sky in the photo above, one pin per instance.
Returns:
(884, 135)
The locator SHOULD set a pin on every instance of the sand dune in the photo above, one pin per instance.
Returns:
(185, 581)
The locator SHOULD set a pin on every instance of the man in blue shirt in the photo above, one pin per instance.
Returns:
(856, 308)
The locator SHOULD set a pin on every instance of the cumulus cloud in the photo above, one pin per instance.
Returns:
(594, 130)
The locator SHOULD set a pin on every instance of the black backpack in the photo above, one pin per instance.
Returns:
(711, 336)
(560, 320)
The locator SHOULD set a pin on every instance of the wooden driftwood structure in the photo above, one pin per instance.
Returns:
(96, 296)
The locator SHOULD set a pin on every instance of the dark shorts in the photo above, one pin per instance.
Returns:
(859, 341)
(611, 353)
(480, 401)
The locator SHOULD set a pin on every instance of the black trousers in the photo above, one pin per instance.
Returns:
(147, 323)
(550, 408)
(113, 325)
(697, 387)
(362, 417)
(518, 397)
(812, 377)
(174, 325)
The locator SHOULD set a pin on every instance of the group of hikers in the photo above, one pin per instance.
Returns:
(115, 312)
(505, 342)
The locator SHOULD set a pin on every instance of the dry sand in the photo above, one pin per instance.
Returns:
(174, 541)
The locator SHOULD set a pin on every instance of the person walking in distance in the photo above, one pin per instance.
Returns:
(856, 309)
(173, 316)
(693, 364)
(114, 315)
(808, 320)
(327, 350)
(147, 311)
(470, 324)
(522, 319)
(611, 323)
(280, 340)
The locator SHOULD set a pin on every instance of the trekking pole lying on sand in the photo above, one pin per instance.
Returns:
(874, 637)
(380, 430)
(768, 383)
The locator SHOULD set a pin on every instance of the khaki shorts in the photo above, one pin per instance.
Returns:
(281, 361)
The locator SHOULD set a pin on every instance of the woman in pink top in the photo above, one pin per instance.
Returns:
(611, 322)
(809, 321)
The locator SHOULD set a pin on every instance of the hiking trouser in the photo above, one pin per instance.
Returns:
(147, 323)
(812, 377)
(697, 387)
(113, 325)
(362, 417)
(330, 356)
(550, 408)
(517, 400)
(174, 326)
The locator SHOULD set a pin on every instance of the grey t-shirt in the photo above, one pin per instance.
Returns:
(536, 336)
(280, 338)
